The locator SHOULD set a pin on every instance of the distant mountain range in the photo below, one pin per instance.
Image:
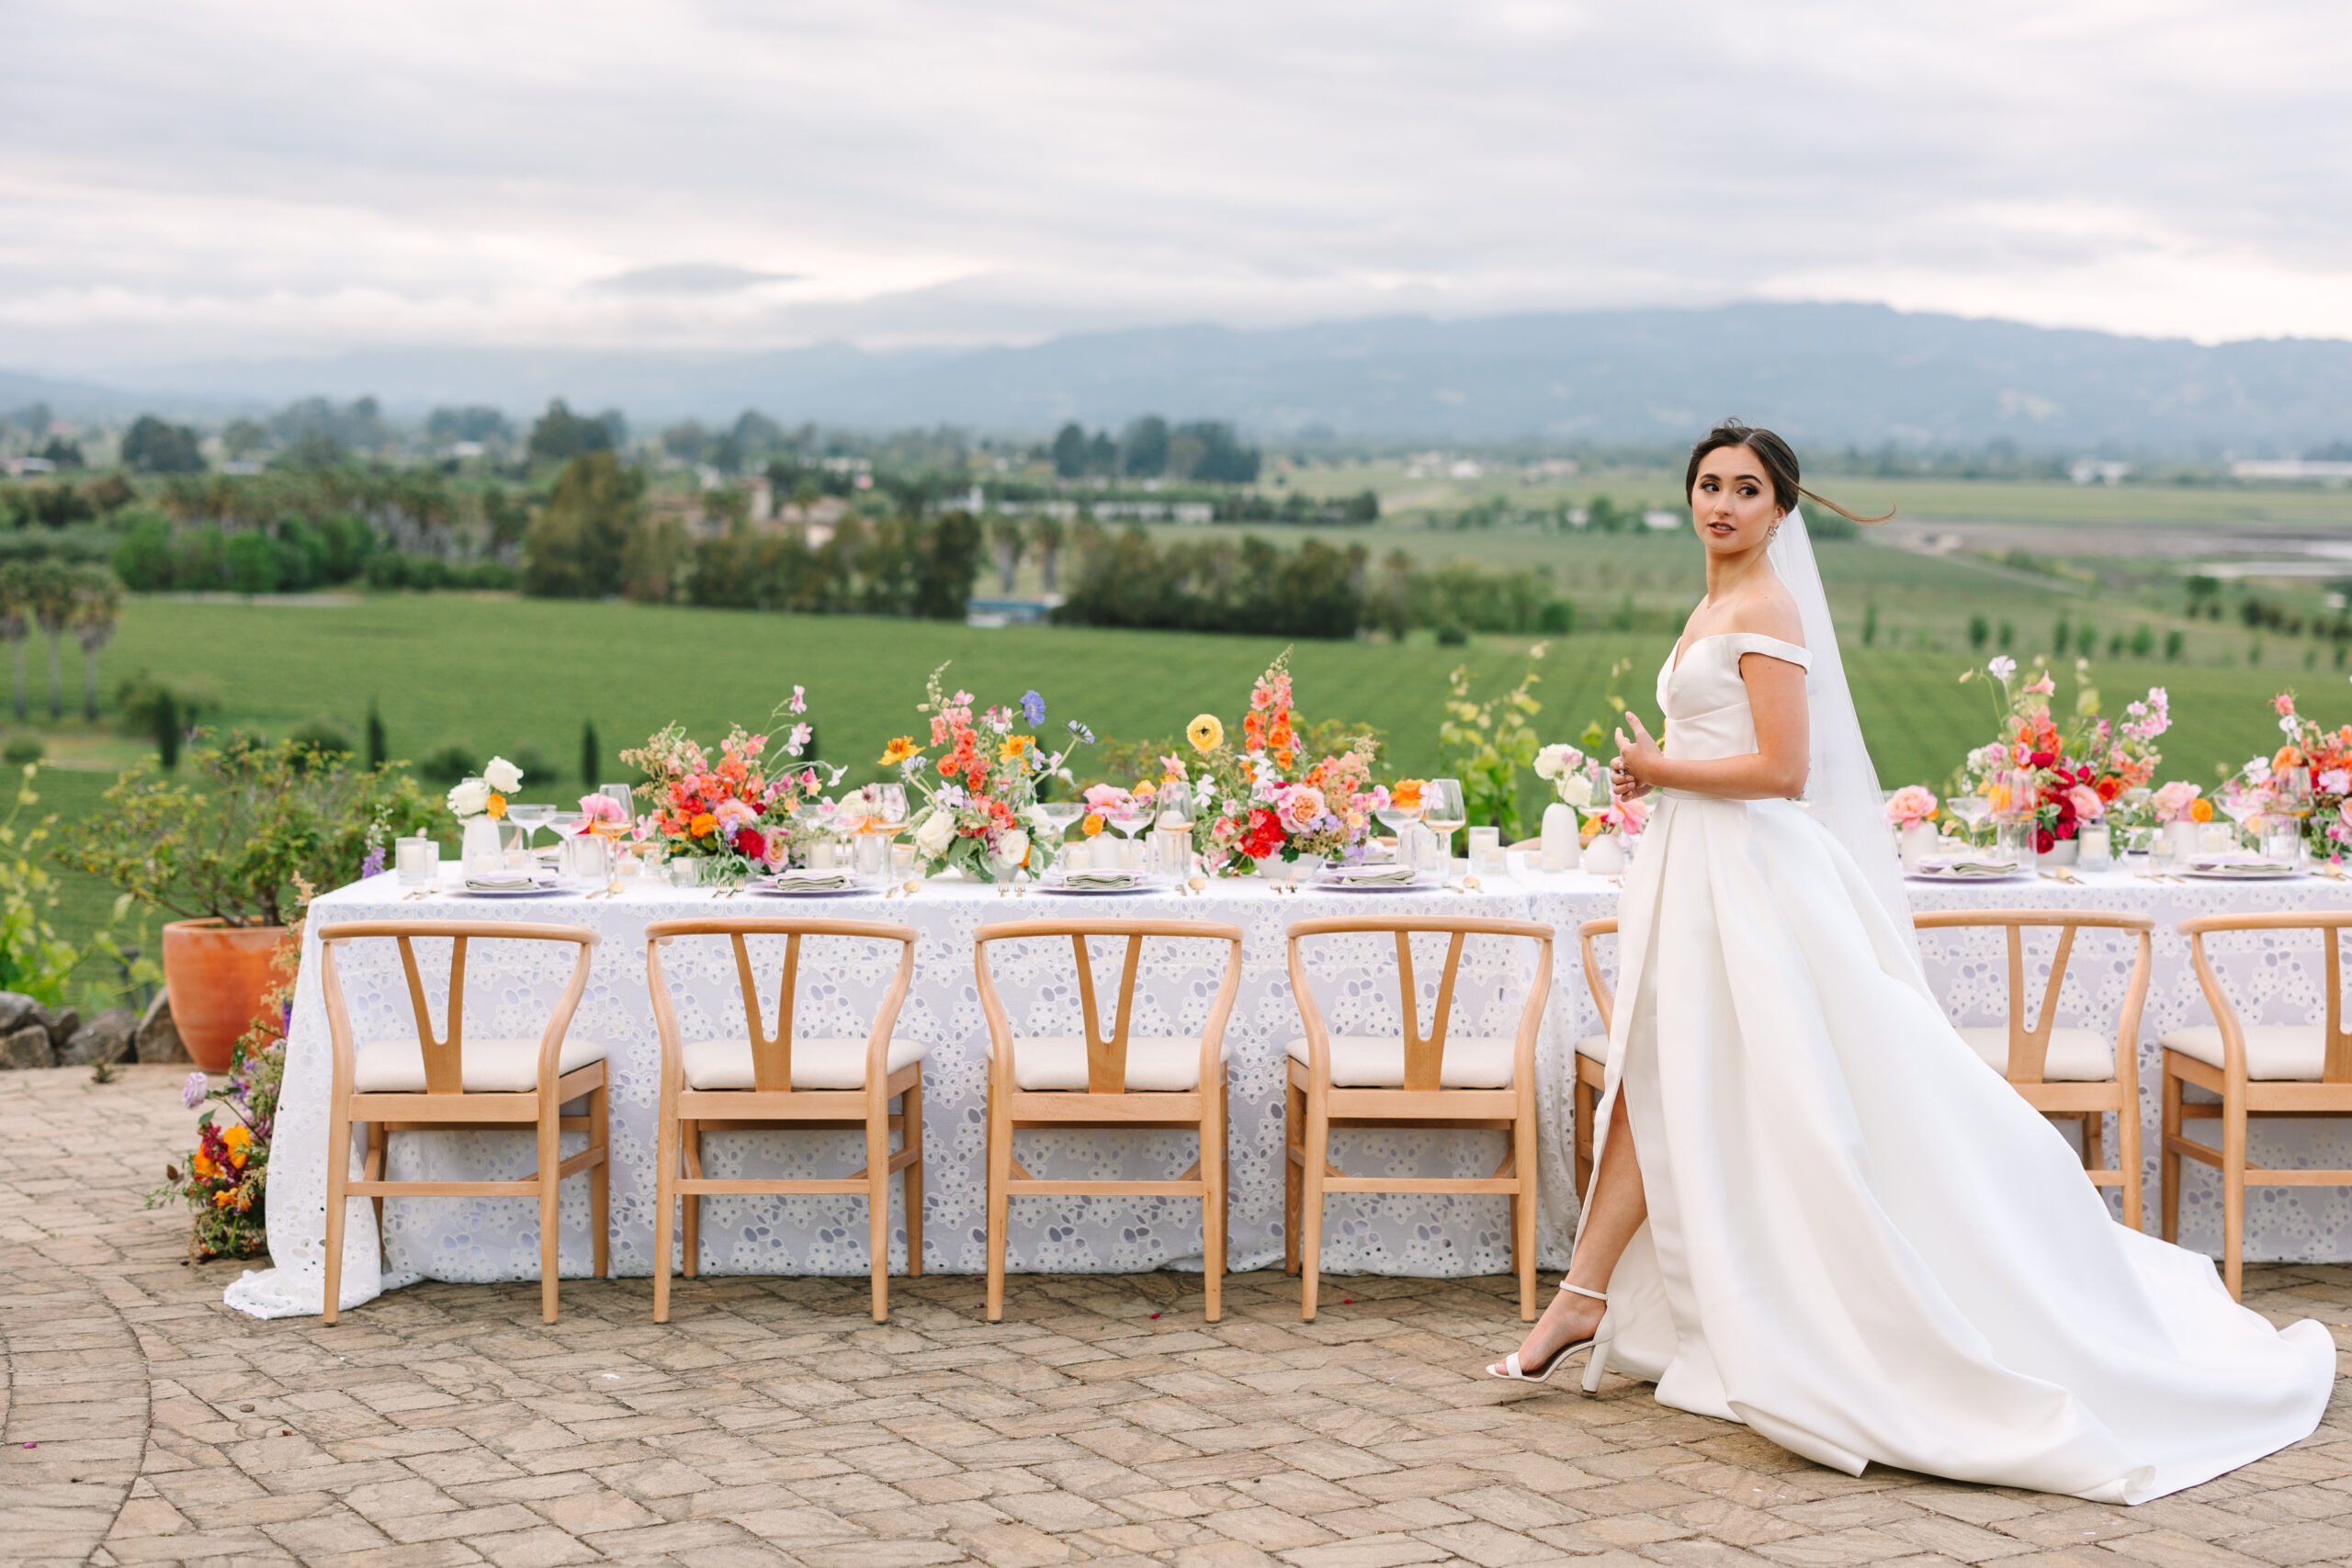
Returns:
(1824, 374)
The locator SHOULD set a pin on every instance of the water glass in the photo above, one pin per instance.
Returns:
(902, 862)
(872, 853)
(416, 860)
(2282, 843)
(2013, 841)
(2162, 850)
(588, 857)
(2097, 847)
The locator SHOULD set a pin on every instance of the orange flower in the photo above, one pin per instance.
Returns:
(703, 826)
(223, 1198)
(2201, 810)
(1407, 793)
(497, 806)
(2288, 757)
(897, 751)
(1091, 824)
(1014, 745)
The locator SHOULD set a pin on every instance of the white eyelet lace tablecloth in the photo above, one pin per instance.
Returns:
(510, 987)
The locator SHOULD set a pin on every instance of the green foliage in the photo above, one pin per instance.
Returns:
(22, 750)
(34, 960)
(140, 701)
(1484, 744)
(1218, 585)
(890, 566)
(151, 446)
(267, 821)
(225, 1180)
(560, 436)
(574, 550)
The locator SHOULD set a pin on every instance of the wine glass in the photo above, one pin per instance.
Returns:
(1971, 810)
(1397, 819)
(560, 821)
(1443, 813)
(1129, 816)
(888, 805)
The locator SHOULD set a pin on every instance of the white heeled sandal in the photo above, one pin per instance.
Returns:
(1594, 1367)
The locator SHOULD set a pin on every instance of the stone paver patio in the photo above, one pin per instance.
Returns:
(772, 1422)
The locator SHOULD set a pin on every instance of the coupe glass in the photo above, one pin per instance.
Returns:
(1129, 816)
(1971, 810)
(1442, 811)
(1058, 816)
(530, 818)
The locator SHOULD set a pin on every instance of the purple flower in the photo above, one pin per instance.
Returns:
(1032, 709)
(373, 865)
(192, 1091)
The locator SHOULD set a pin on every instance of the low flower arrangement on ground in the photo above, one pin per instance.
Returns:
(2309, 779)
(746, 811)
(979, 795)
(1265, 799)
(1582, 785)
(2078, 773)
(225, 1178)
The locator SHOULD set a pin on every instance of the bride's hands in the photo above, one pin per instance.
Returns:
(1631, 774)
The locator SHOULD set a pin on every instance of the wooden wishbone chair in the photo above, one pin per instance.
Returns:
(2068, 1075)
(2258, 1072)
(763, 1081)
(1117, 1079)
(454, 1084)
(1421, 1080)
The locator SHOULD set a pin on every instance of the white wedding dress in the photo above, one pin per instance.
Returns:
(1861, 1242)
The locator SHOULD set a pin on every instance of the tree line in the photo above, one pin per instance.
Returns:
(1150, 448)
(1124, 578)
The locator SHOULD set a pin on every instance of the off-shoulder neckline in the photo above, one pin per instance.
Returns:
(1682, 649)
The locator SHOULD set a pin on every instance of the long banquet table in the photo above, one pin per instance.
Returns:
(511, 986)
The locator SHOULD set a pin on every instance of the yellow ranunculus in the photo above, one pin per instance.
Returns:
(497, 805)
(1205, 733)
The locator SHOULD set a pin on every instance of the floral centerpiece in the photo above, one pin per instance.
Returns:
(2308, 778)
(1582, 784)
(980, 794)
(740, 814)
(1265, 800)
(2077, 771)
(486, 797)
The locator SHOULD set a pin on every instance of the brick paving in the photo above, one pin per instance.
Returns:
(772, 1422)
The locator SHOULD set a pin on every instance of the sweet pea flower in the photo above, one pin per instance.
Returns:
(800, 703)
(2336, 780)
(192, 1091)
(2002, 668)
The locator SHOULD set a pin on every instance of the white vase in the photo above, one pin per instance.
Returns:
(1919, 839)
(2184, 837)
(1559, 835)
(480, 851)
(1605, 856)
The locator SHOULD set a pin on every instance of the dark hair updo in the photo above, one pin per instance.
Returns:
(1780, 462)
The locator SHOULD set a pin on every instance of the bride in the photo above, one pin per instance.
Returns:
(1813, 1209)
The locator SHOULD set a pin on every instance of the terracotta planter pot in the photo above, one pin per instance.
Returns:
(215, 976)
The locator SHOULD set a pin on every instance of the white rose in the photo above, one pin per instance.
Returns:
(935, 833)
(1012, 848)
(502, 776)
(470, 798)
(1576, 790)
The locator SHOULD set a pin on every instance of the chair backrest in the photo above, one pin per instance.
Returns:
(444, 1058)
(771, 1052)
(1604, 1001)
(2029, 1043)
(1106, 1054)
(1424, 1054)
(2337, 1067)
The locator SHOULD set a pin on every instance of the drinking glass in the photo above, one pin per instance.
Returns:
(1971, 810)
(1174, 832)
(2247, 812)
(2282, 840)
(2013, 841)
(417, 859)
(1058, 816)
(889, 808)
(1397, 819)
(1442, 811)
(1129, 816)
(562, 820)
(2161, 849)
(530, 818)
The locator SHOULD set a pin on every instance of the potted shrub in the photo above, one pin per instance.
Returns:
(234, 853)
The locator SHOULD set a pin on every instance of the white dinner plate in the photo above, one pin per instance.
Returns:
(1357, 884)
(2241, 872)
(1957, 879)
(461, 890)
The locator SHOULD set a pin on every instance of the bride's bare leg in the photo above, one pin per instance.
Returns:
(1613, 1214)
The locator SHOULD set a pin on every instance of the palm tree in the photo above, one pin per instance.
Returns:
(98, 601)
(16, 597)
(53, 598)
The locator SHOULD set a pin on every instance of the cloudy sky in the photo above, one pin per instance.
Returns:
(246, 178)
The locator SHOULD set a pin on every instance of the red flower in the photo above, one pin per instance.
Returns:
(1264, 836)
(2044, 841)
(750, 844)
(2109, 787)
(2042, 759)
